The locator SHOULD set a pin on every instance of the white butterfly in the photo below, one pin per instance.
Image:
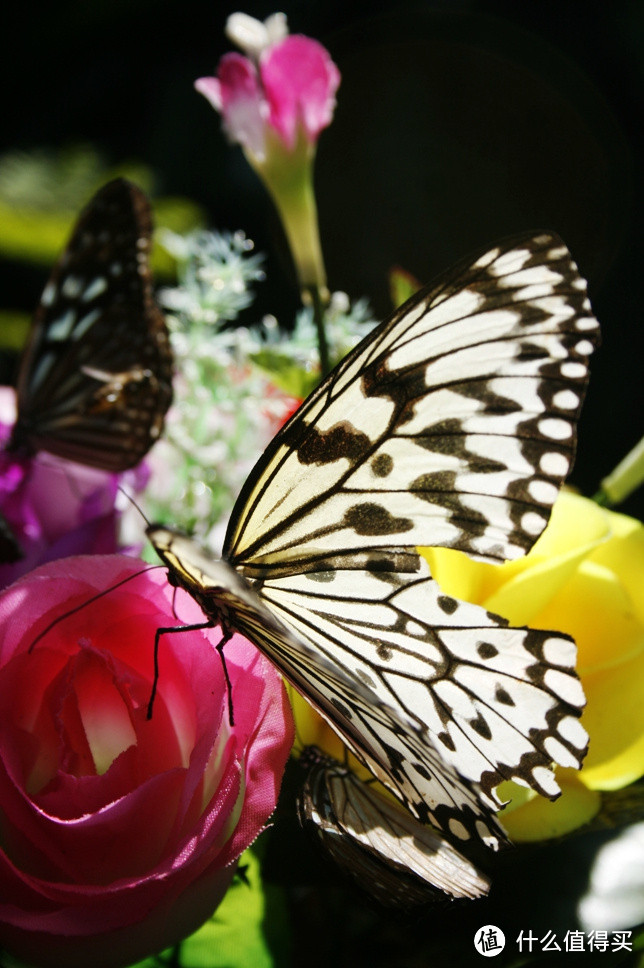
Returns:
(397, 860)
(452, 424)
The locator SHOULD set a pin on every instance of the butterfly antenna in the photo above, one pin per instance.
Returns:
(88, 601)
(134, 504)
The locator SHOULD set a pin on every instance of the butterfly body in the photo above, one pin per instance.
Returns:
(95, 378)
(452, 424)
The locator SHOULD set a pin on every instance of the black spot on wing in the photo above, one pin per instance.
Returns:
(447, 604)
(480, 726)
(503, 697)
(382, 465)
(373, 519)
(342, 441)
(447, 741)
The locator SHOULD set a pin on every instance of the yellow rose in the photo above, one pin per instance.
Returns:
(584, 576)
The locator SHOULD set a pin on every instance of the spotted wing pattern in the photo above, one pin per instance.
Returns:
(95, 379)
(500, 703)
(452, 424)
(397, 860)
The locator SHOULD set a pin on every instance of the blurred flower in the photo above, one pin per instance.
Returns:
(614, 897)
(82, 519)
(120, 833)
(275, 102)
(235, 386)
(215, 271)
(584, 576)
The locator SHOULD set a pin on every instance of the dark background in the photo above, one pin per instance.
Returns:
(457, 123)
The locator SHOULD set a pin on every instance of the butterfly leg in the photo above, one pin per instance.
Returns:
(166, 631)
(226, 637)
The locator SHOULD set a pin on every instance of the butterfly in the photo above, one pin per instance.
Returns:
(451, 424)
(94, 381)
(397, 860)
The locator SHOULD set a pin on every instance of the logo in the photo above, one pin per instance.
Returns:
(489, 941)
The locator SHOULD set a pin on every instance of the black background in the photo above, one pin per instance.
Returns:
(457, 123)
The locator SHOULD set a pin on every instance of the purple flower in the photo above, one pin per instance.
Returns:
(54, 507)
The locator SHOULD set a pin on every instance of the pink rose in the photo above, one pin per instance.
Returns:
(120, 834)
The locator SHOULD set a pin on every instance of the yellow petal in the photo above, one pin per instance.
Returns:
(614, 718)
(536, 818)
(624, 554)
(596, 610)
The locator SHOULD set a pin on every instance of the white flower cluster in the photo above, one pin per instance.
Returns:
(234, 386)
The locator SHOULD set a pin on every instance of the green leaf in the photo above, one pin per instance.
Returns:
(249, 928)
(287, 375)
(14, 327)
(402, 285)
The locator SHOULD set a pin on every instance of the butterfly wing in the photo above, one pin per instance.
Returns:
(397, 860)
(500, 703)
(452, 424)
(397, 747)
(95, 379)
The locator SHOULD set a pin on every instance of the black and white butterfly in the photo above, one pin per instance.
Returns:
(451, 424)
(95, 379)
(397, 860)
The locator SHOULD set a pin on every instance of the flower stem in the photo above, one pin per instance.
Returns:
(318, 316)
(627, 476)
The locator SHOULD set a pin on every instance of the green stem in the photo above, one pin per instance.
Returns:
(627, 476)
(318, 316)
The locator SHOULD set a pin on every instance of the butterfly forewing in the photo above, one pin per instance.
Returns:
(452, 424)
(397, 860)
(95, 379)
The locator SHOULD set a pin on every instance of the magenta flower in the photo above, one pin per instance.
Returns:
(275, 102)
(120, 833)
(284, 90)
(53, 506)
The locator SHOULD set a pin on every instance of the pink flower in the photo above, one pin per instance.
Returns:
(120, 834)
(55, 507)
(274, 103)
(286, 90)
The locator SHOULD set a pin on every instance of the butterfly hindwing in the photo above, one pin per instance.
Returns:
(452, 424)
(95, 379)
(397, 748)
(397, 860)
(463, 673)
